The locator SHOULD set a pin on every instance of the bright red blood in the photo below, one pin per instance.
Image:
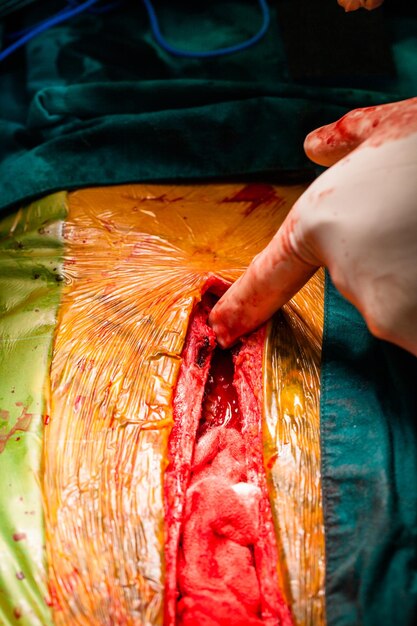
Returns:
(220, 404)
(256, 194)
(221, 552)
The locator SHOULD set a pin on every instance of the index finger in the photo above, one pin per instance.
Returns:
(273, 277)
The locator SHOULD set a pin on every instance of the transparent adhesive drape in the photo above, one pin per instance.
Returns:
(137, 260)
(292, 448)
(31, 251)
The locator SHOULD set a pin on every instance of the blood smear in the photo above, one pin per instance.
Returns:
(221, 555)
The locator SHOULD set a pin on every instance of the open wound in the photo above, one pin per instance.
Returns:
(221, 552)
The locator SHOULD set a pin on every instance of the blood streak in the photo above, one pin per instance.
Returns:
(22, 423)
(255, 194)
(221, 554)
(371, 126)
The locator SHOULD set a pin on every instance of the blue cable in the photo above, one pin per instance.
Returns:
(73, 9)
(62, 16)
(165, 45)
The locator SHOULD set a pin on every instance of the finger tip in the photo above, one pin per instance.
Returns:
(325, 147)
(222, 337)
(224, 343)
(215, 320)
(315, 147)
(219, 328)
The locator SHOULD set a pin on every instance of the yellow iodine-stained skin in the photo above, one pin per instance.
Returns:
(137, 258)
(292, 448)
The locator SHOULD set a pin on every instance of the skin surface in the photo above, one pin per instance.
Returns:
(358, 219)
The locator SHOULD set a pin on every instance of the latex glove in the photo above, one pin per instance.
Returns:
(359, 219)
(352, 5)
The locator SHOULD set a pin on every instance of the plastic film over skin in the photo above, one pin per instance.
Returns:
(31, 249)
(292, 448)
(137, 261)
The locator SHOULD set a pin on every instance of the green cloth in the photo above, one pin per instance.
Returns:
(99, 85)
(369, 469)
(31, 249)
(95, 101)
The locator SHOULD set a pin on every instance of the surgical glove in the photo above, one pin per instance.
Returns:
(359, 219)
(352, 5)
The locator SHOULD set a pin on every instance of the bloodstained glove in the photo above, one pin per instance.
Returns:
(352, 5)
(359, 219)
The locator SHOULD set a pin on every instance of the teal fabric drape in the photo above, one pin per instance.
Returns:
(96, 102)
(369, 465)
(99, 83)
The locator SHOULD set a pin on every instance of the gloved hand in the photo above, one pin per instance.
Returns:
(359, 219)
(352, 5)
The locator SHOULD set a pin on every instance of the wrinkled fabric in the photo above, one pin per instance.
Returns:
(96, 102)
(99, 84)
(369, 465)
